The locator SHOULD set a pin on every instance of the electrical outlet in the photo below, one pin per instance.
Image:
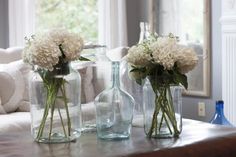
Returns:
(201, 109)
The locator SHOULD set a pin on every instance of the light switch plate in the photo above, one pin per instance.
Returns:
(201, 109)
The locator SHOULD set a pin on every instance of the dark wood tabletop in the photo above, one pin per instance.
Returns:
(198, 139)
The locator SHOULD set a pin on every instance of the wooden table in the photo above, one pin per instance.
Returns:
(198, 139)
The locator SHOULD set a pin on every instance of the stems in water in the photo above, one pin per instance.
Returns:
(164, 109)
(54, 87)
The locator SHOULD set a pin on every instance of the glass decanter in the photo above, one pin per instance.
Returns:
(134, 89)
(219, 117)
(114, 110)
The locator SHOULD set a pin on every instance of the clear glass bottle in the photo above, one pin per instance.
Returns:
(95, 53)
(114, 110)
(219, 117)
(101, 54)
(144, 31)
(134, 89)
(55, 105)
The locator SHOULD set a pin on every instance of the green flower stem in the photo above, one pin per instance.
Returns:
(46, 110)
(62, 123)
(162, 117)
(66, 106)
(170, 111)
(164, 106)
(52, 111)
(176, 131)
(154, 119)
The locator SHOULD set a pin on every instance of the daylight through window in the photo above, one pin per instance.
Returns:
(80, 16)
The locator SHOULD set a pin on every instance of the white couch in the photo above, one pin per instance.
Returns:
(14, 74)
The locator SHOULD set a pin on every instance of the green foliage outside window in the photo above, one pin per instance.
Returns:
(80, 16)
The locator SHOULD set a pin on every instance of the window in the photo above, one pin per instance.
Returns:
(80, 16)
(192, 28)
(85, 17)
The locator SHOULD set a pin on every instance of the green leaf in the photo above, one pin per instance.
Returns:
(138, 74)
(81, 58)
(142, 70)
(182, 79)
(139, 81)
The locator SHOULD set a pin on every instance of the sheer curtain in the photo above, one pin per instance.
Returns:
(112, 23)
(21, 21)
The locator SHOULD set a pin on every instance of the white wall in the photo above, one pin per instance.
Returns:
(228, 21)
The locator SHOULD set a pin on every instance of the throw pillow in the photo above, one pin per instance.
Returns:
(10, 54)
(14, 86)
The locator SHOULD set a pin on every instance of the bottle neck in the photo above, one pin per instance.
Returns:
(116, 74)
(220, 109)
(144, 31)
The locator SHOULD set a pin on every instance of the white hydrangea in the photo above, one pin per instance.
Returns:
(163, 51)
(26, 55)
(57, 35)
(186, 59)
(42, 52)
(138, 55)
(71, 44)
(45, 50)
(167, 41)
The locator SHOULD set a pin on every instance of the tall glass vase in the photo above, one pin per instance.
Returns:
(135, 90)
(162, 110)
(55, 105)
(129, 85)
(114, 110)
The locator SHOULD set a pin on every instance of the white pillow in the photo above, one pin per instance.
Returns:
(1, 107)
(10, 54)
(14, 86)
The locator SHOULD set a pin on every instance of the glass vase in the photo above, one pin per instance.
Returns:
(130, 85)
(114, 110)
(135, 90)
(55, 105)
(162, 111)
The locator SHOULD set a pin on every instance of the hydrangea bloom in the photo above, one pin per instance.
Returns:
(45, 50)
(71, 44)
(163, 52)
(138, 55)
(186, 59)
